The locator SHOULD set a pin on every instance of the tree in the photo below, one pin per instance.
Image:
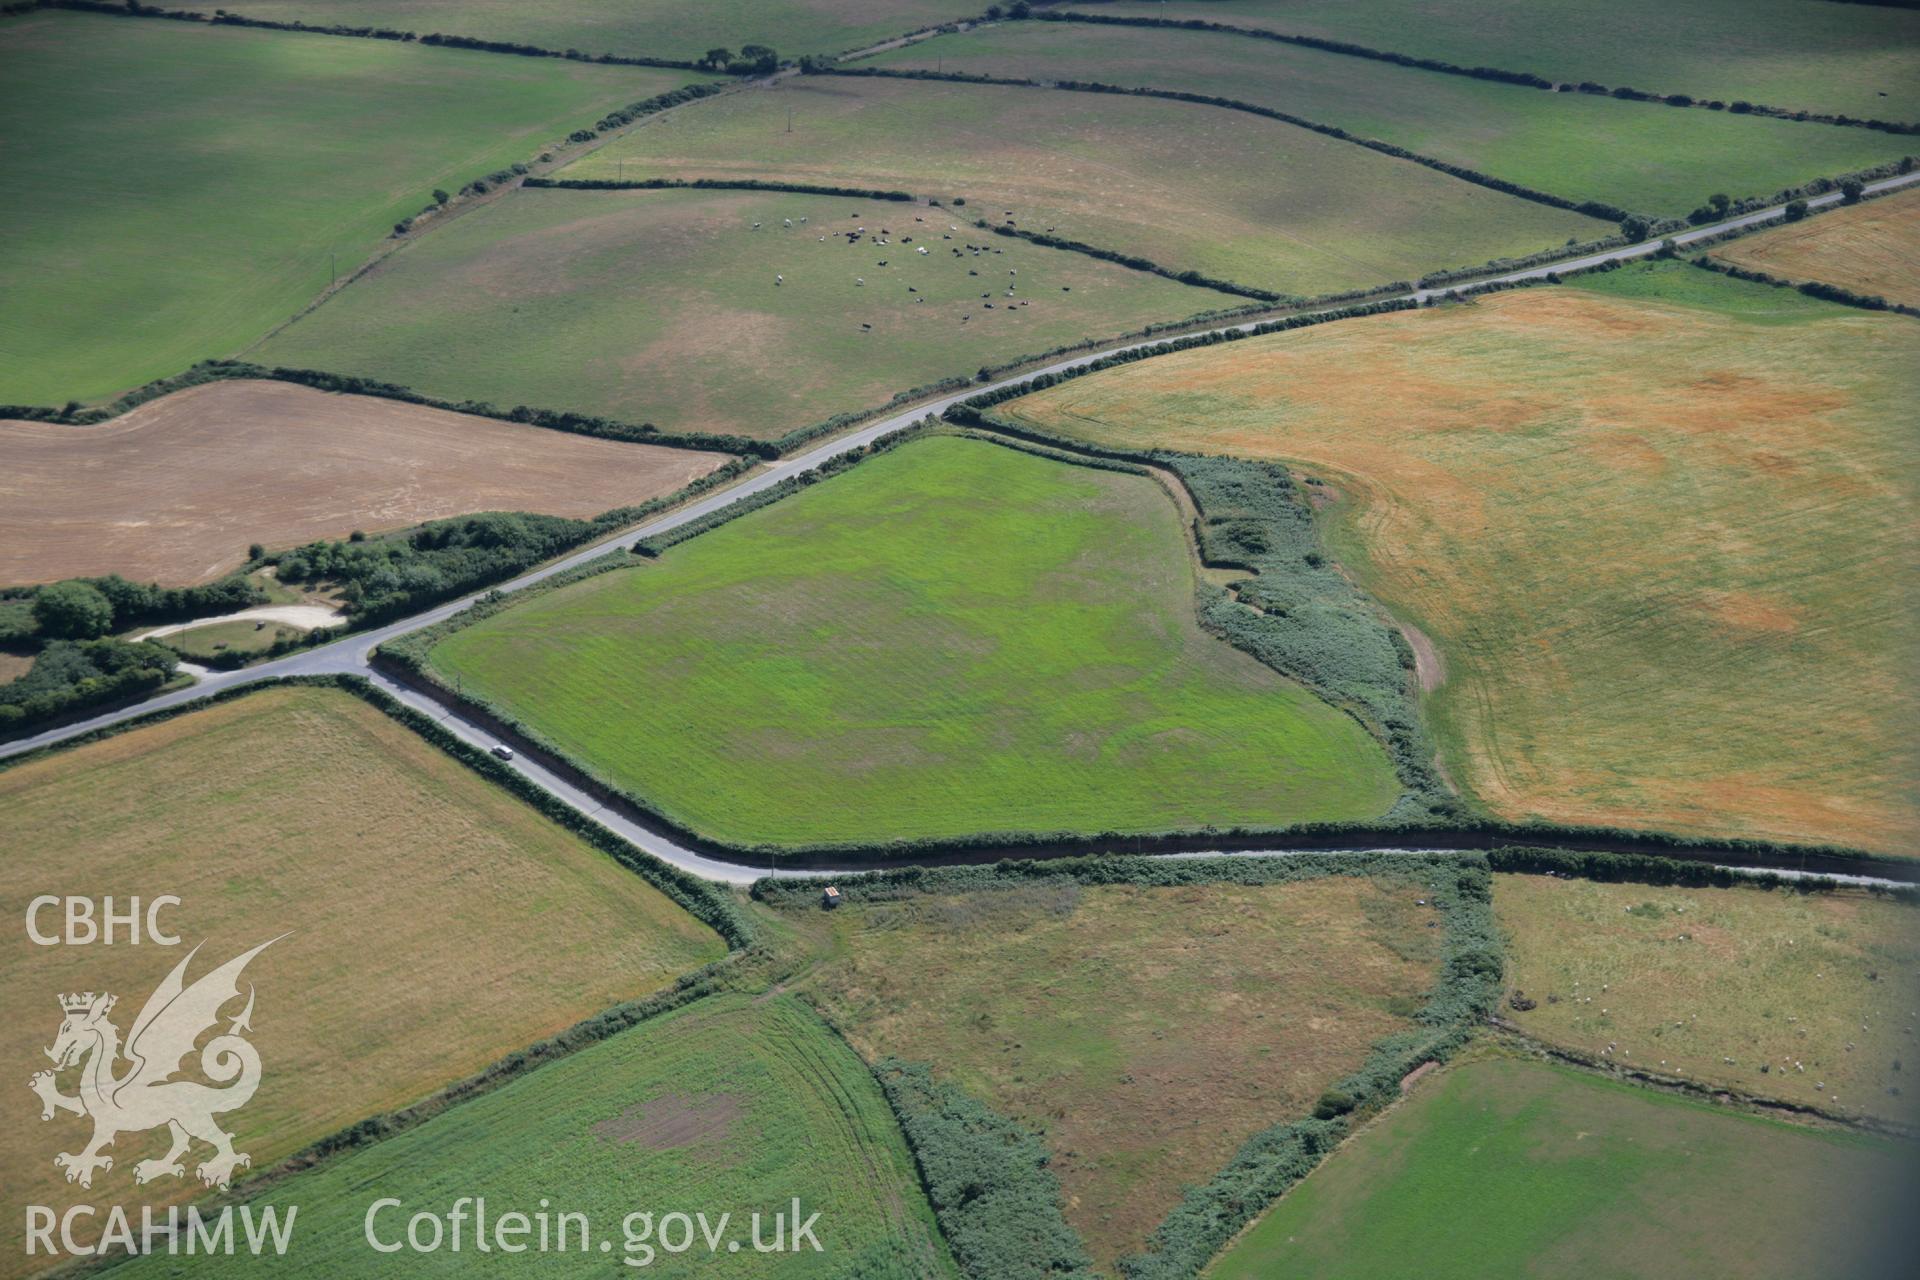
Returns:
(440, 197)
(719, 56)
(72, 611)
(1851, 189)
(1796, 210)
(1635, 229)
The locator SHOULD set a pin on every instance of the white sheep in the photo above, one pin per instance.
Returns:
(787, 222)
(779, 279)
(859, 281)
(756, 226)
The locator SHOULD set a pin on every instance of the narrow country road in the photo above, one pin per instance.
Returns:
(352, 655)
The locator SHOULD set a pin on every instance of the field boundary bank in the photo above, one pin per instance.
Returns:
(1467, 983)
(1515, 1036)
(1524, 79)
(1591, 208)
(1655, 223)
(1138, 263)
(405, 660)
(1811, 288)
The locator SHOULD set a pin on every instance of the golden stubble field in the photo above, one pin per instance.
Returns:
(1662, 529)
(175, 490)
(398, 875)
(1869, 248)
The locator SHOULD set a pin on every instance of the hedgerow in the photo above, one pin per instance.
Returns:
(1592, 208)
(1811, 288)
(1526, 79)
(715, 184)
(987, 1177)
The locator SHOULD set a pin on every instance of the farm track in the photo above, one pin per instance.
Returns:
(354, 655)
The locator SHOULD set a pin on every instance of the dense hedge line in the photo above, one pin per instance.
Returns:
(1302, 616)
(1592, 208)
(714, 184)
(1133, 260)
(130, 604)
(221, 17)
(997, 1201)
(1812, 288)
(1526, 79)
(348, 384)
(954, 1139)
(1644, 868)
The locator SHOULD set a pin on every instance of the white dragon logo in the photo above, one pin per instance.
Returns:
(145, 1096)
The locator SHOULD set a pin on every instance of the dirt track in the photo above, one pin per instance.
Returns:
(175, 490)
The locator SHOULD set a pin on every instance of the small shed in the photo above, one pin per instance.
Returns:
(831, 898)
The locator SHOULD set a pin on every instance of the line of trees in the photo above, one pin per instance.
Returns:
(715, 184)
(69, 676)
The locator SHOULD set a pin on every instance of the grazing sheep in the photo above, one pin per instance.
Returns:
(859, 281)
(756, 226)
(787, 222)
(921, 249)
(779, 279)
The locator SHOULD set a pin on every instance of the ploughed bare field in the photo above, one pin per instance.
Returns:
(176, 490)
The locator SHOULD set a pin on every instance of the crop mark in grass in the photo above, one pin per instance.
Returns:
(674, 1120)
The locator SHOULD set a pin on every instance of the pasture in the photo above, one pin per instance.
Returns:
(1189, 187)
(175, 490)
(670, 307)
(1870, 248)
(1856, 59)
(178, 189)
(1641, 157)
(1657, 524)
(1515, 1168)
(952, 638)
(726, 1106)
(1146, 1032)
(633, 28)
(397, 876)
(1811, 996)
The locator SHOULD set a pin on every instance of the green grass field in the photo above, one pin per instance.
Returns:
(1146, 1032)
(728, 1106)
(397, 875)
(633, 28)
(177, 189)
(1189, 187)
(1802, 997)
(663, 307)
(1643, 157)
(1504, 1168)
(1660, 525)
(1853, 58)
(952, 638)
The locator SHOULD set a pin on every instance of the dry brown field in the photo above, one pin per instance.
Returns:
(1662, 529)
(175, 490)
(1145, 1063)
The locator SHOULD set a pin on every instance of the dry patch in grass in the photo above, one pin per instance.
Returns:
(1148, 1032)
(400, 874)
(1812, 996)
(1870, 248)
(1666, 547)
(175, 490)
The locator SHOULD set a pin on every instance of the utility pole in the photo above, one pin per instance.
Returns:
(623, 169)
(789, 119)
(333, 272)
